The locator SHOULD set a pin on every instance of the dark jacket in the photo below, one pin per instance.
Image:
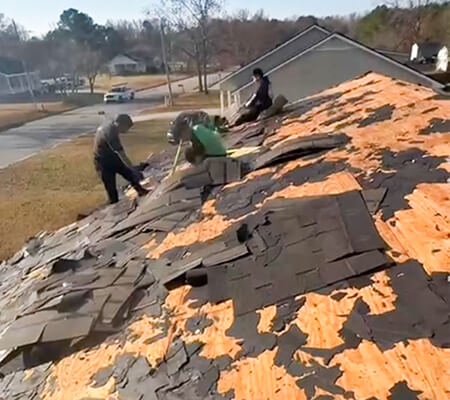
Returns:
(107, 143)
(262, 100)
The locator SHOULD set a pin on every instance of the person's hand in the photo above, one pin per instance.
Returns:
(142, 166)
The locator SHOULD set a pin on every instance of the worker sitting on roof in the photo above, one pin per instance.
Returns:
(110, 158)
(260, 101)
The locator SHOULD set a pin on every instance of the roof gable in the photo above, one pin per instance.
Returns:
(352, 42)
(274, 57)
(120, 58)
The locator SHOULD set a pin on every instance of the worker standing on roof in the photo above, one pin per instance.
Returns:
(260, 101)
(110, 158)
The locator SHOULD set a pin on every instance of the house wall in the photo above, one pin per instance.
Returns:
(122, 64)
(18, 83)
(329, 64)
(271, 60)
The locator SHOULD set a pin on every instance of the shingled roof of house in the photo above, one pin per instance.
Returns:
(312, 265)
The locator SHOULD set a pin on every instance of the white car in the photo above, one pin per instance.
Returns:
(119, 94)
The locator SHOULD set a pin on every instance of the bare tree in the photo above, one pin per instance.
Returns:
(192, 17)
(90, 64)
(409, 18)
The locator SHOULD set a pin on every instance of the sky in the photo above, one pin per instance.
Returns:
(39, 16)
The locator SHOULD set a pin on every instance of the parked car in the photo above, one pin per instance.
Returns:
(119, 94)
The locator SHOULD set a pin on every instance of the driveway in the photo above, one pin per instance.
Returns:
(26, 140)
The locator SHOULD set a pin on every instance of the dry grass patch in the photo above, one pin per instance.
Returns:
(51, 189)
(105, 82)
(12, 115)
(189, 101)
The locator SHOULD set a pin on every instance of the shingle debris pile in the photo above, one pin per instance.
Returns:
(313, 265)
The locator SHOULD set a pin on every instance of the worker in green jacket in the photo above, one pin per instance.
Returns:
(205, 142)
(202, 133)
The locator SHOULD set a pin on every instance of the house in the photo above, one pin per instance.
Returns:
(14, 80)
(124, 64)
(429, 57)
(333, 60)
(280, 54)
(321, 271)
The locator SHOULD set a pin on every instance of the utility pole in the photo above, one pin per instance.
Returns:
(163, 48)
(24, 66)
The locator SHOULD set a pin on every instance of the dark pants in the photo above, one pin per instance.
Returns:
(108, 167)
(252, 113)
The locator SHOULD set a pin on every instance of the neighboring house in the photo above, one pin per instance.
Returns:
(273, 58)
(14, 80)
(123, 64)
(177, 66)
(429, 57)
(330, 62)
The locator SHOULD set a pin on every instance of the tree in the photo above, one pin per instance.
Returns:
(192, 18)
(409, 19)
(90, 64)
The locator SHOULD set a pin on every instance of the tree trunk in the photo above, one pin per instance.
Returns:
(205, 73)
(199, 74)
(91, 83)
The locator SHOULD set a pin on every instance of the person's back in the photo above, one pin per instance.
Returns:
(110, 158)
(107, 142)
(263, 99)
(184, 120)
(211, 141)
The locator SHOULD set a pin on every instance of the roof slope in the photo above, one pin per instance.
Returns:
(275, 57)
(326, 260)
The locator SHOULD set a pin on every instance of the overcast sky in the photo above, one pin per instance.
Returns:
(38, 16)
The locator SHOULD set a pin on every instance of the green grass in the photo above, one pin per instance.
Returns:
(50, 190)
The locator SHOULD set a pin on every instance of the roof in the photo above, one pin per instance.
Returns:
(383, 55)
(132, 58)
(277, 55)
(10, 66)
(429, 49)
(317, 262)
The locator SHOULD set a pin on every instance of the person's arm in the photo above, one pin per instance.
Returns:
(116, 146)
(251, 101)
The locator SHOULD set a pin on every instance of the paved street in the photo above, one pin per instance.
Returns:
(26, 140)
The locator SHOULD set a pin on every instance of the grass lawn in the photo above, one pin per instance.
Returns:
(13, 115)
(49, 190)
(105, 82)
(189, 101)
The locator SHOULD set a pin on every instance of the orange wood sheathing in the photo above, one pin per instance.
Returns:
(201, 231)
(369, 372)
(216, 342)
(400, 132)
(266, 317)
(322, 317)
(423, 231)
(337, 183)
(71, 377)
(259, 379)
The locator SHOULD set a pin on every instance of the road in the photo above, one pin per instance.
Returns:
(19, 143)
